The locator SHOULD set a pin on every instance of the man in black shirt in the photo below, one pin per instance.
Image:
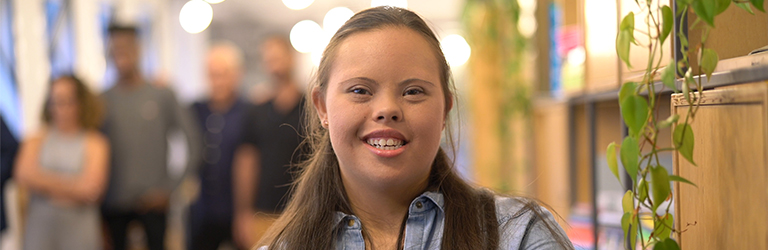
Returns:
(262, 174)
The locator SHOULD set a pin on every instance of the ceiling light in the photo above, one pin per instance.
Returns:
(306, 36)
(456, 50)
(195, 16)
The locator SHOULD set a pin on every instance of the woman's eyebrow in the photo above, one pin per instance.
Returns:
(369, 80)
(407, 81)
(360, 78)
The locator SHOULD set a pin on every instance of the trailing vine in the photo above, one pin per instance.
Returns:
(651, 183)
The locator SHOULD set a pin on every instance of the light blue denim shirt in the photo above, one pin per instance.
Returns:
(426, 218)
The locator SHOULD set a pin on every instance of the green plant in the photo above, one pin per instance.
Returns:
(639, 151)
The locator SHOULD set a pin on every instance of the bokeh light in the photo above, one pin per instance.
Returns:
(456, 50)
(306, 36)
(335, 18)
(195, 16)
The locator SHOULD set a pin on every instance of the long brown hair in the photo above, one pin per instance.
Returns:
(319, 193)
(89, 106)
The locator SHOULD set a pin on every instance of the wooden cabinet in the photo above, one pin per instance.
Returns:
(728, 209)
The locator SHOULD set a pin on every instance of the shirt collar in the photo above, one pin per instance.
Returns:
(433, 198)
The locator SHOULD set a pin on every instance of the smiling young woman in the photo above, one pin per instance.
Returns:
(377, 177)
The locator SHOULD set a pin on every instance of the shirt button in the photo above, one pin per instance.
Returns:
(351, 223)
(419, 205)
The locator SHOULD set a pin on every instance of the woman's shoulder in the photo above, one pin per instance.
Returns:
(519, 208)
(526, 224)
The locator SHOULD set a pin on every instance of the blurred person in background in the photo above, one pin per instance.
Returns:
(139, 119)
(220, 118)
(269, 147)
(64, 168)
(8, 148)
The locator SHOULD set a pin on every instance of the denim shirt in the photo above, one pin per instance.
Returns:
(426, 219)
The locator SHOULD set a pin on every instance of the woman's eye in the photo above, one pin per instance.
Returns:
(414, 91)
(360, 91)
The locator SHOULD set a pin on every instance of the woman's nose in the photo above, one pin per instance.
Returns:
(388, 109)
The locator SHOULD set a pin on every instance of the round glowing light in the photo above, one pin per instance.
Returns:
(577, 56)
(395, 3)
(527, 25)
(214, 1)
(456, 50)
(195, 16)
(297, 4)
(335, 18)
(306, 36)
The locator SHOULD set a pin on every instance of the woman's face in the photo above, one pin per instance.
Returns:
(385, 108)
(64, 106)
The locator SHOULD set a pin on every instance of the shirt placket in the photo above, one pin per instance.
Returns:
(353, 234)
(418, 213)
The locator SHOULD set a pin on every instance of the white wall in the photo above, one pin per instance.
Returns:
(32, 67)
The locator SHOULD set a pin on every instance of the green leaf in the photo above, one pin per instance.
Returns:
(612, 162)
(668, 122)
(630, 152)
(626, 202)
(627, 89)
(628, 23)
(681, 179)
(634, 110)
(758, 4)
(628, 225)
(666, 244)
(682, 137)
(745, 6)
(667, 22)
(642, 190)
(683, 40)
(721, 6)
(682, 3)
(705, 9)
(668, 76)
(709, 61)
(663, 226)
(661, 188)
(626, 222)
(622, 45)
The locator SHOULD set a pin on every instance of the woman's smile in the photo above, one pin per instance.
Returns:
(385, 143)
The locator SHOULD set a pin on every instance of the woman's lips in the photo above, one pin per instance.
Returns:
(386, 151)
(385, 143)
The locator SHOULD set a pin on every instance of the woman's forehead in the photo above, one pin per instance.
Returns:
(384, 52)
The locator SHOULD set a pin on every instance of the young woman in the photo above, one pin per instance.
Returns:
(64, 167)
(377, 177)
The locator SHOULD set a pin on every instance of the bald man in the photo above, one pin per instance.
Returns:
(220, 119)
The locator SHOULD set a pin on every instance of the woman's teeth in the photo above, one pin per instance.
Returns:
(386, 143)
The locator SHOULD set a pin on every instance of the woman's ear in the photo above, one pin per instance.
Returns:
(318, 100)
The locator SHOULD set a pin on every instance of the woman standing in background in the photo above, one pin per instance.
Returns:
(64, 167)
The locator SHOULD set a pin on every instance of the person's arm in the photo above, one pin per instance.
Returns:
(158, 198)
(245, 180)
(84, 188)
(92, 182)
(183, 120)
